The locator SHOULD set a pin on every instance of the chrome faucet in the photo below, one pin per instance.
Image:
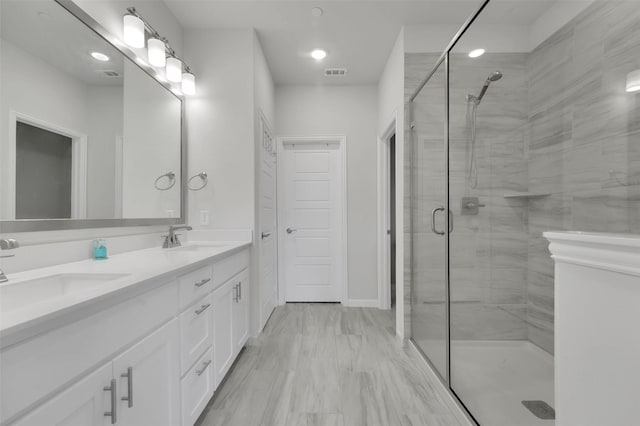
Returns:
(7, 244)
(172, 240)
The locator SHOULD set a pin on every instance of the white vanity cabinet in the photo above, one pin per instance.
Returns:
(223, 350)
(240, 308)
(82, 404)
(138, 387)
(152, 356)
(148, 380)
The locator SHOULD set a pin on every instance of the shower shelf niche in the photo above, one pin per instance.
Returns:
(516, 194)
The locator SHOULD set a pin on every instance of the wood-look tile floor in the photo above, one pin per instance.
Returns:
(324, 364)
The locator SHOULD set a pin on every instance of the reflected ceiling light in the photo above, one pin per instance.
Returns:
(156, 52)
(316, 11)
(475, 53)
(133, 31)
(188, 83)
(99, 56)
(174, 69)
(44, 15)
(633, 81)
(318, 54)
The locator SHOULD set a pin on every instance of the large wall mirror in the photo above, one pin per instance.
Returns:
(87, 137)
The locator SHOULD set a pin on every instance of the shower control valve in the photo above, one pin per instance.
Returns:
(469, 206)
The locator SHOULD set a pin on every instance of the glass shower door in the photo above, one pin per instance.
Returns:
(429, 315)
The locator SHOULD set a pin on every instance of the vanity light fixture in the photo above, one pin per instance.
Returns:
(188, 83)
(174, 69)
(476, 53)
(133, 30)
(160, 54)
(156, 52)
(319, 54)
(99, 56)
(633, 81)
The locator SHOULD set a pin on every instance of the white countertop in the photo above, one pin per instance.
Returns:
(144, 270)
(607, 238)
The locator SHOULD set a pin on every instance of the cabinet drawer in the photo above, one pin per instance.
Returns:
(230, 266)
(196, 331)
(194, 285)
(197, 388)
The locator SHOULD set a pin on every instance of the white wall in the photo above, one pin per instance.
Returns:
(390, 108)
(349, 111)
(220, 126)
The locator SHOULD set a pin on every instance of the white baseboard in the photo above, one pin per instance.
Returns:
(362, 303)
(451, 401)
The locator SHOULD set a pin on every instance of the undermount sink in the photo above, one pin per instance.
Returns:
(26, 293)
(195, 246)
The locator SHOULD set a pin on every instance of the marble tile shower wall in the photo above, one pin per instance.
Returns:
(559, 123)
(584, 147)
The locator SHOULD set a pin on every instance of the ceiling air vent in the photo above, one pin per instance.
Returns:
(111, 74)
(335, 72)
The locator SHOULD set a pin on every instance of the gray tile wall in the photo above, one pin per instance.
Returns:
(584, 146)
(558, 123)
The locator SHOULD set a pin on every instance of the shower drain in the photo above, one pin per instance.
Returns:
(540, 409)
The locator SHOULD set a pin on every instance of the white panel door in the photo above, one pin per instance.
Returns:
(268, 255)
(83, 404)
(311, 225)
(154, 384)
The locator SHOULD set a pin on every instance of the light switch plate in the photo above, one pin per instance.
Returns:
(204, 217)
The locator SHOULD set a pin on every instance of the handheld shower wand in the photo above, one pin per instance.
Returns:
(475, 101)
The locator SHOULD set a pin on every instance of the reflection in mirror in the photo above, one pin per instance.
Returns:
(84, 131)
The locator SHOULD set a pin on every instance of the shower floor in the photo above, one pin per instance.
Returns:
(492, 378)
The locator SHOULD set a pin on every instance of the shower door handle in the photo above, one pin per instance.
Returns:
(433, 220)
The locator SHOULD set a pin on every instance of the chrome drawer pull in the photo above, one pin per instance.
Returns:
(129, 376)
(240, 290)
(204, 367)
(202, 309)
(114, 402)
(203, 282)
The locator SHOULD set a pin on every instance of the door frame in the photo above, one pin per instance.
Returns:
(78, 163)
(341, 141)
(265, 126)
(384, 267)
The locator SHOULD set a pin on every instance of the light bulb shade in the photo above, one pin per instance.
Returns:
(188, 83)
(156, 52)
(633, 81)
(174, 70)
(133, 31)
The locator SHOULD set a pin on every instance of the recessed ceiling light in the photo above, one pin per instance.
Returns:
(476, 53)
(316, 11)
(318, 54)
(99, 56)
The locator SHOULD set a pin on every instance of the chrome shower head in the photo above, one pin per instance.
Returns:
(494, 76)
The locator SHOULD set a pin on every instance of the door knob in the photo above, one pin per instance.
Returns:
(291, 230)
(265, 235)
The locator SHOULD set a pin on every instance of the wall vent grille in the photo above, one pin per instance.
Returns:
(335, 72)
